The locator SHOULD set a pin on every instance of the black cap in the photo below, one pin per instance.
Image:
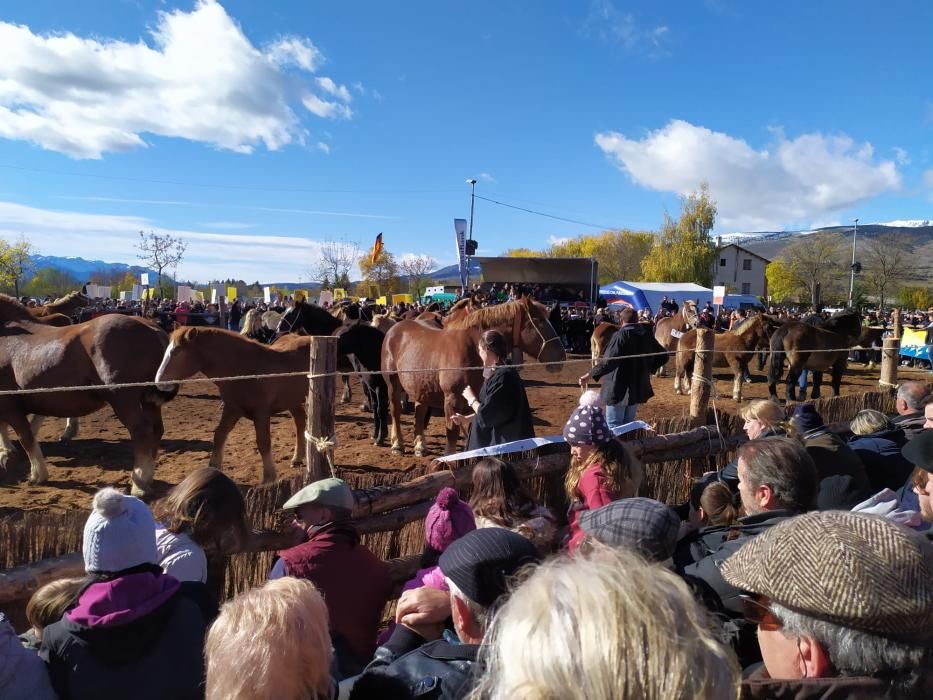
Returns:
(919, 451)
(481, 562)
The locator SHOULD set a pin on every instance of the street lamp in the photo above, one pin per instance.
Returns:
(852, 273)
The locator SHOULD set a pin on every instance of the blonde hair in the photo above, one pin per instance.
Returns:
(606, 626)
(270, 642)
(765, 411)
(248, 321)
(868, 421)
(624, 472)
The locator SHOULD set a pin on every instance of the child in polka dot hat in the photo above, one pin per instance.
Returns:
(602, 469)
(587, 424)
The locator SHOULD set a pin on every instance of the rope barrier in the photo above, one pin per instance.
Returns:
(304, 373)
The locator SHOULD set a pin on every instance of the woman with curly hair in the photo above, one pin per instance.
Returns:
(602, 469)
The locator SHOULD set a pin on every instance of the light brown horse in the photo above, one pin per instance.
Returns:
(733, 349)
(67, 306)
(602, 334)
(220, 353)
(668, 330)
(442, 354)
(107, 350)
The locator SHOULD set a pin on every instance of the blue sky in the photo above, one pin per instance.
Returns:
(257, 133)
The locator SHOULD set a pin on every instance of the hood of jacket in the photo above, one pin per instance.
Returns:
(122, 600)
(883, 439)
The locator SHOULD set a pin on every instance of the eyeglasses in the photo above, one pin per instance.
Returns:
(757, 610)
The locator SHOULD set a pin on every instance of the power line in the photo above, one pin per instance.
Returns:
(550, 216)
(214, 185)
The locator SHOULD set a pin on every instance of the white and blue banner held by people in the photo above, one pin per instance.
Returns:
(460, 226)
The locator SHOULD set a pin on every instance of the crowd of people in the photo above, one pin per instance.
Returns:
(802, 569)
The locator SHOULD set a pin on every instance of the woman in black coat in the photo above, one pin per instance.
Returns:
(501, 411)
(878, 442)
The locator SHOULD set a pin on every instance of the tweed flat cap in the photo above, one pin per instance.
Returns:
(330, 493)
(854, 570)
(642, 524)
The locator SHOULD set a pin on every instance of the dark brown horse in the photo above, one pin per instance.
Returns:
(733, 349)
(428, 363)
(112, 349)
(805, 346)
(221, 353)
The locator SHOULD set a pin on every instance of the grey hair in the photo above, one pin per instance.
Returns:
(868, 421)
(914, 394)
(856, 653)
(480, 614)
(785, 466)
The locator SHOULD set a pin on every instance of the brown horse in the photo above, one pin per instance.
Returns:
(68, 305)
(602, 334)
(667, 331)
(805, 346)
(112, 349)
(733, 349)
(220, 353)
(443, 353)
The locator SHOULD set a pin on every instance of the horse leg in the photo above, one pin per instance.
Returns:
(453, 431)
(144, 425)
(839, 368)
(793, 374)
(71, 430)
(381, 412)
(7, 447)
(300, 417)
(815, 392)
(394, 388)
(264, 443)
(347, 391)
(38, 471)
(228, 419)
(421, 411)
(35, 424)
(737, 383)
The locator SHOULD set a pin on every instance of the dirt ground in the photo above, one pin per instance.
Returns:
(101, 454)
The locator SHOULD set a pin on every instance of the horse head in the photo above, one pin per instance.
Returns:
(847, 323)
(535, 335)
(12, 310)
(309, 317)
(179, 361)
(689, 313)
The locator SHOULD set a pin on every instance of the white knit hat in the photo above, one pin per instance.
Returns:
(119, 534)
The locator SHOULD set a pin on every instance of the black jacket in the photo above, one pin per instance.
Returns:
(629, 379)
(843, 480)
(881, 454)
(407, 667)
(504, 414)
(911, 424)
(718, 549)
(157, 655)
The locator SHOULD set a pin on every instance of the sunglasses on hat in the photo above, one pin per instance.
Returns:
(756, 609)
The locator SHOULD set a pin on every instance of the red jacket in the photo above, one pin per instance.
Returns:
(592, 492)
(354, 583)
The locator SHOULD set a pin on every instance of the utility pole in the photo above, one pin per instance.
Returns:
(469, 246)
(852, 273)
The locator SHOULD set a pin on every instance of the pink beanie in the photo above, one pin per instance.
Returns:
(449, 519)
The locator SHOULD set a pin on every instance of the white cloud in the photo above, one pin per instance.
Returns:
(323, 147)
(901, 156)
(607, 23)
(331, 88)
(229, 225)
(271, 258)
(359, 87)
(792, 181)
(325, 108)
(557, 240)
(486, 177)
(199, 78)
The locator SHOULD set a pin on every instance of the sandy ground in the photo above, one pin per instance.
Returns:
(101, 454)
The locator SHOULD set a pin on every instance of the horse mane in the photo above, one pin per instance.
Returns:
(493, 316)
(462, 304)
(12, 310)
(64, 301)
(746, 327)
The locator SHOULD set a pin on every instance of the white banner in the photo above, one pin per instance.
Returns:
(267, 294)
(144, 279)
(137, 292)
(434, 290)
(326, 298)
(719, 293)
(460, 226)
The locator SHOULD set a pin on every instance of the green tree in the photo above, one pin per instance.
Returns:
(50, 281)
(382, 272)
(15, 263)
(817, 263)
(683, 250)
(523, 253)
(782, 284)
(915, 297)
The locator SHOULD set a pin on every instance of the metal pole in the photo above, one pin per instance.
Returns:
(472, 200)
(852, 273)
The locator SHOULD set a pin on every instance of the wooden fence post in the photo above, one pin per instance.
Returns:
(702, 383)
(897, 323)
(319, 451)
(890, 354)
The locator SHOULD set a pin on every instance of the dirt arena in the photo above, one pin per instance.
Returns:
(101, 454)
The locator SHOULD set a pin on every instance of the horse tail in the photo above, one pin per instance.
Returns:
(776, 367)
